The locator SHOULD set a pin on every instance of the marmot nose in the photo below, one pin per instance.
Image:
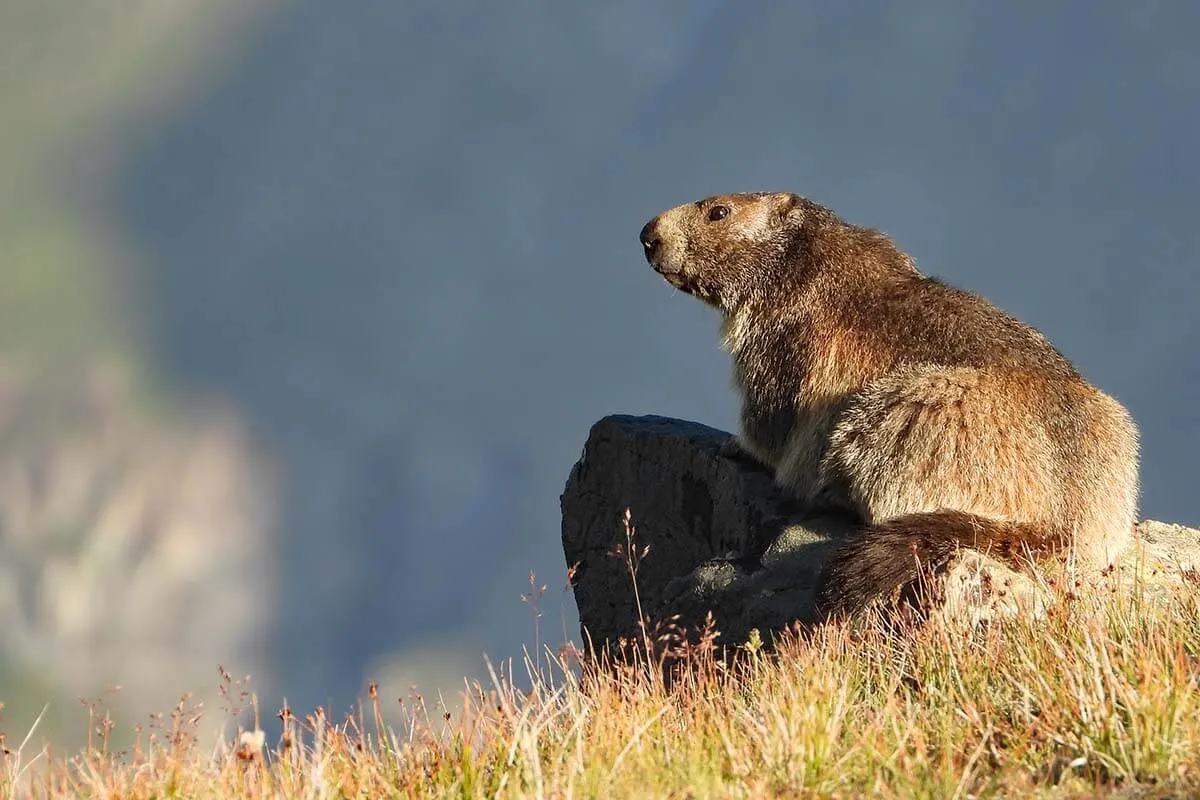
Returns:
(649, 239)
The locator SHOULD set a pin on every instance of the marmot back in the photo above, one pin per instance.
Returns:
(927, 411)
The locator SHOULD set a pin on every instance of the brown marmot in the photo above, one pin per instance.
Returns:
(927, 411)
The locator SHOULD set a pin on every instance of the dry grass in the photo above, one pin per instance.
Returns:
(1101, 697)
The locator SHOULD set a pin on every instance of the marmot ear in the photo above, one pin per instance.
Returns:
(789, 206)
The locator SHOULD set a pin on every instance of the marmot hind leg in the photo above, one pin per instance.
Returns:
(933, 438)
(933, 459)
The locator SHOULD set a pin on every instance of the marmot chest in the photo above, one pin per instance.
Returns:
(792, 389)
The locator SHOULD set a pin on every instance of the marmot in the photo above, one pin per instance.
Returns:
(927, 411)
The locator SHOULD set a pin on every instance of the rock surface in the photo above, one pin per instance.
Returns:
(710, 532)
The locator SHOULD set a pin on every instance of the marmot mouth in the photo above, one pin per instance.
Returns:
(681, 282)
(677, 280)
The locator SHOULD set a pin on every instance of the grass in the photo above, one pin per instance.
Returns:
(1101, 697)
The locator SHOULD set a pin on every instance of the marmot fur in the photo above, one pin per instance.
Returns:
(934, 416)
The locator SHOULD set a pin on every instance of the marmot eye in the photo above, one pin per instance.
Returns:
(718, 213)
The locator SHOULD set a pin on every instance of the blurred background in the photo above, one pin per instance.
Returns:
(306, 308)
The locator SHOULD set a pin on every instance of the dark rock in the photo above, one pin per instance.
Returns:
(720, 535)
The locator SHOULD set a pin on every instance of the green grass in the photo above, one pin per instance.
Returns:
(1099, 698)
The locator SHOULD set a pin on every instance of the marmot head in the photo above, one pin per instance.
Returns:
(734, 249)
(725, 249)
